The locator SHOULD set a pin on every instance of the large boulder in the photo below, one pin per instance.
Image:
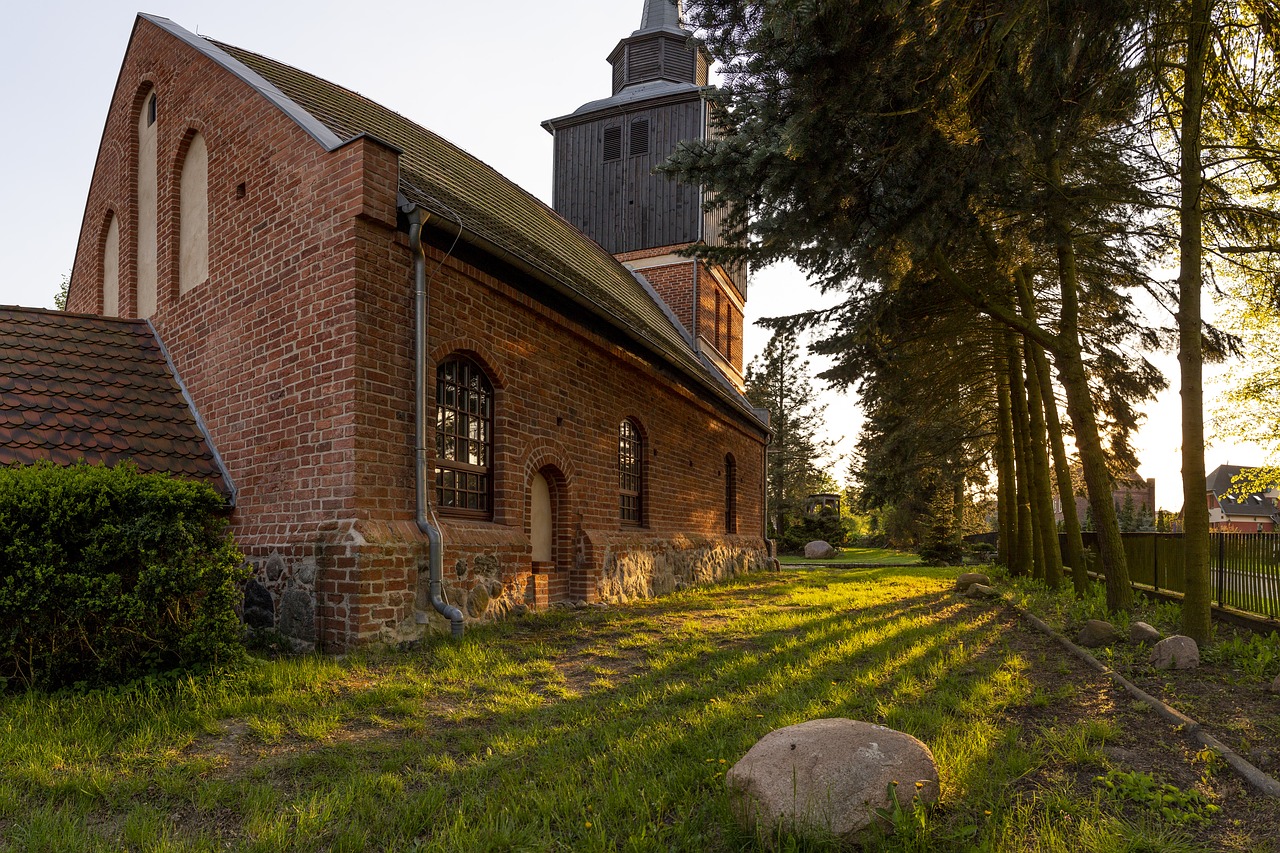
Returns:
(1096, 633)
(828, 776)
(968, 579)
(1176, 652)
(819, 550)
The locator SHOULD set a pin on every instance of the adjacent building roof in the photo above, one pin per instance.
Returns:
(457, 188)
(99, 389)
(1219, 483)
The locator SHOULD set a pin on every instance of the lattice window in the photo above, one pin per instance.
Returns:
(464, 439)
(631, 473)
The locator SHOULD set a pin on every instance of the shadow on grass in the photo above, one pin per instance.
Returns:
(587, 730)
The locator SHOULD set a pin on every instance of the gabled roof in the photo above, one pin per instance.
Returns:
(99, 389)
(1219, 479)
(462, 192)
(1219, 483)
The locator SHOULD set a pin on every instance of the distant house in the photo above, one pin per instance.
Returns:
(1138, 492)
(1230, 512)
(425, 394)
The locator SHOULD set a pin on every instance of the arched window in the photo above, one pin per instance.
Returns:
(730, 494)
(193, 217)
(111, 269)
(631, 472)
(464, 439)
(148, 193)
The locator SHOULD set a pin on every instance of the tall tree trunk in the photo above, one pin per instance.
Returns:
(1045, 423)
(1075, 383)
(1028, 536)
(1006, 475)
(1196, 603)
(1073, 548)
(1042, 497)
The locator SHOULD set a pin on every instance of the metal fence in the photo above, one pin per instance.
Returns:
(1245, 567)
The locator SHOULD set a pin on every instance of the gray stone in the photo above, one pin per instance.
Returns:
(259, 619)
(305, 573)
(819, 550)
(968, 579)
(495, 587)
(979, 590)
(274, 567)
(828, 776)
(1096, 633)
(460, 568)
(297, 615)
(257, 596)
(1176, 652)
(478, 601)
(1275, 685)
(1141, 632)
(519, 609)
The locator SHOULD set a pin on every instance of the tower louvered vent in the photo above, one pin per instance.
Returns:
(644, 62)
(612, 143)
(639, 137)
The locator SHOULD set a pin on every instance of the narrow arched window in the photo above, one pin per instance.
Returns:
(464, 439)
(193, 217)
(147, 195)
(111, 268)
(630, 472)
(730, 494)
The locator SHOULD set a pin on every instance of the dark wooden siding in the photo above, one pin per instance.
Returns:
(622, 204)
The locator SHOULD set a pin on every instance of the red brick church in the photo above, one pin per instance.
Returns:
(428, 397)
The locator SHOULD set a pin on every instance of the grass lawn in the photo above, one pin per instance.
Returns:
(612, 729)
(858, 556)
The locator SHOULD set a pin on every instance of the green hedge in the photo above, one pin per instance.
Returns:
(108, 575)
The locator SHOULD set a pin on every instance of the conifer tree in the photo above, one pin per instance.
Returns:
(778, 380)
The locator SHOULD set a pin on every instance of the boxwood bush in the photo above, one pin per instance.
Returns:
(108, 575)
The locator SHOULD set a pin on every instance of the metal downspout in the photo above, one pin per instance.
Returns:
(435, 561)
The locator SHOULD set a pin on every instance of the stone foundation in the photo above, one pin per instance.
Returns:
(358, 584)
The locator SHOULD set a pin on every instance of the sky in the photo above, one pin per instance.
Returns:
(483, 74)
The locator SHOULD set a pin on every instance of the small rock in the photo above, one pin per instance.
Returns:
(819, 550)
(478, 601)
(1096, 633)
(1275, 685)
(275, 567)
(256, 595)
(1141, 632)
(305, 573)
(828, 776)
(519, 609)
(968, 579)
(981, 590)
(1176, 652)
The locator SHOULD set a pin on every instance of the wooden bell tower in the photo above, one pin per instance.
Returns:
(605, 182)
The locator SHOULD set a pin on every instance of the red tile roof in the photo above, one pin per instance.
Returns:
(78, 387)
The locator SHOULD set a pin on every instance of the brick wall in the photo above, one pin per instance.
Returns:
(298, 353)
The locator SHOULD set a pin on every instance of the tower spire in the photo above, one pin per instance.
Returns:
(662, 15)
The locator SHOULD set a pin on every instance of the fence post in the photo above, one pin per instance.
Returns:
(1222, 567)
(1155, 561)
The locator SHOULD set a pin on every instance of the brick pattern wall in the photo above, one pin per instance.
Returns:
(727, 320)
(675, 284)
(298, 352)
